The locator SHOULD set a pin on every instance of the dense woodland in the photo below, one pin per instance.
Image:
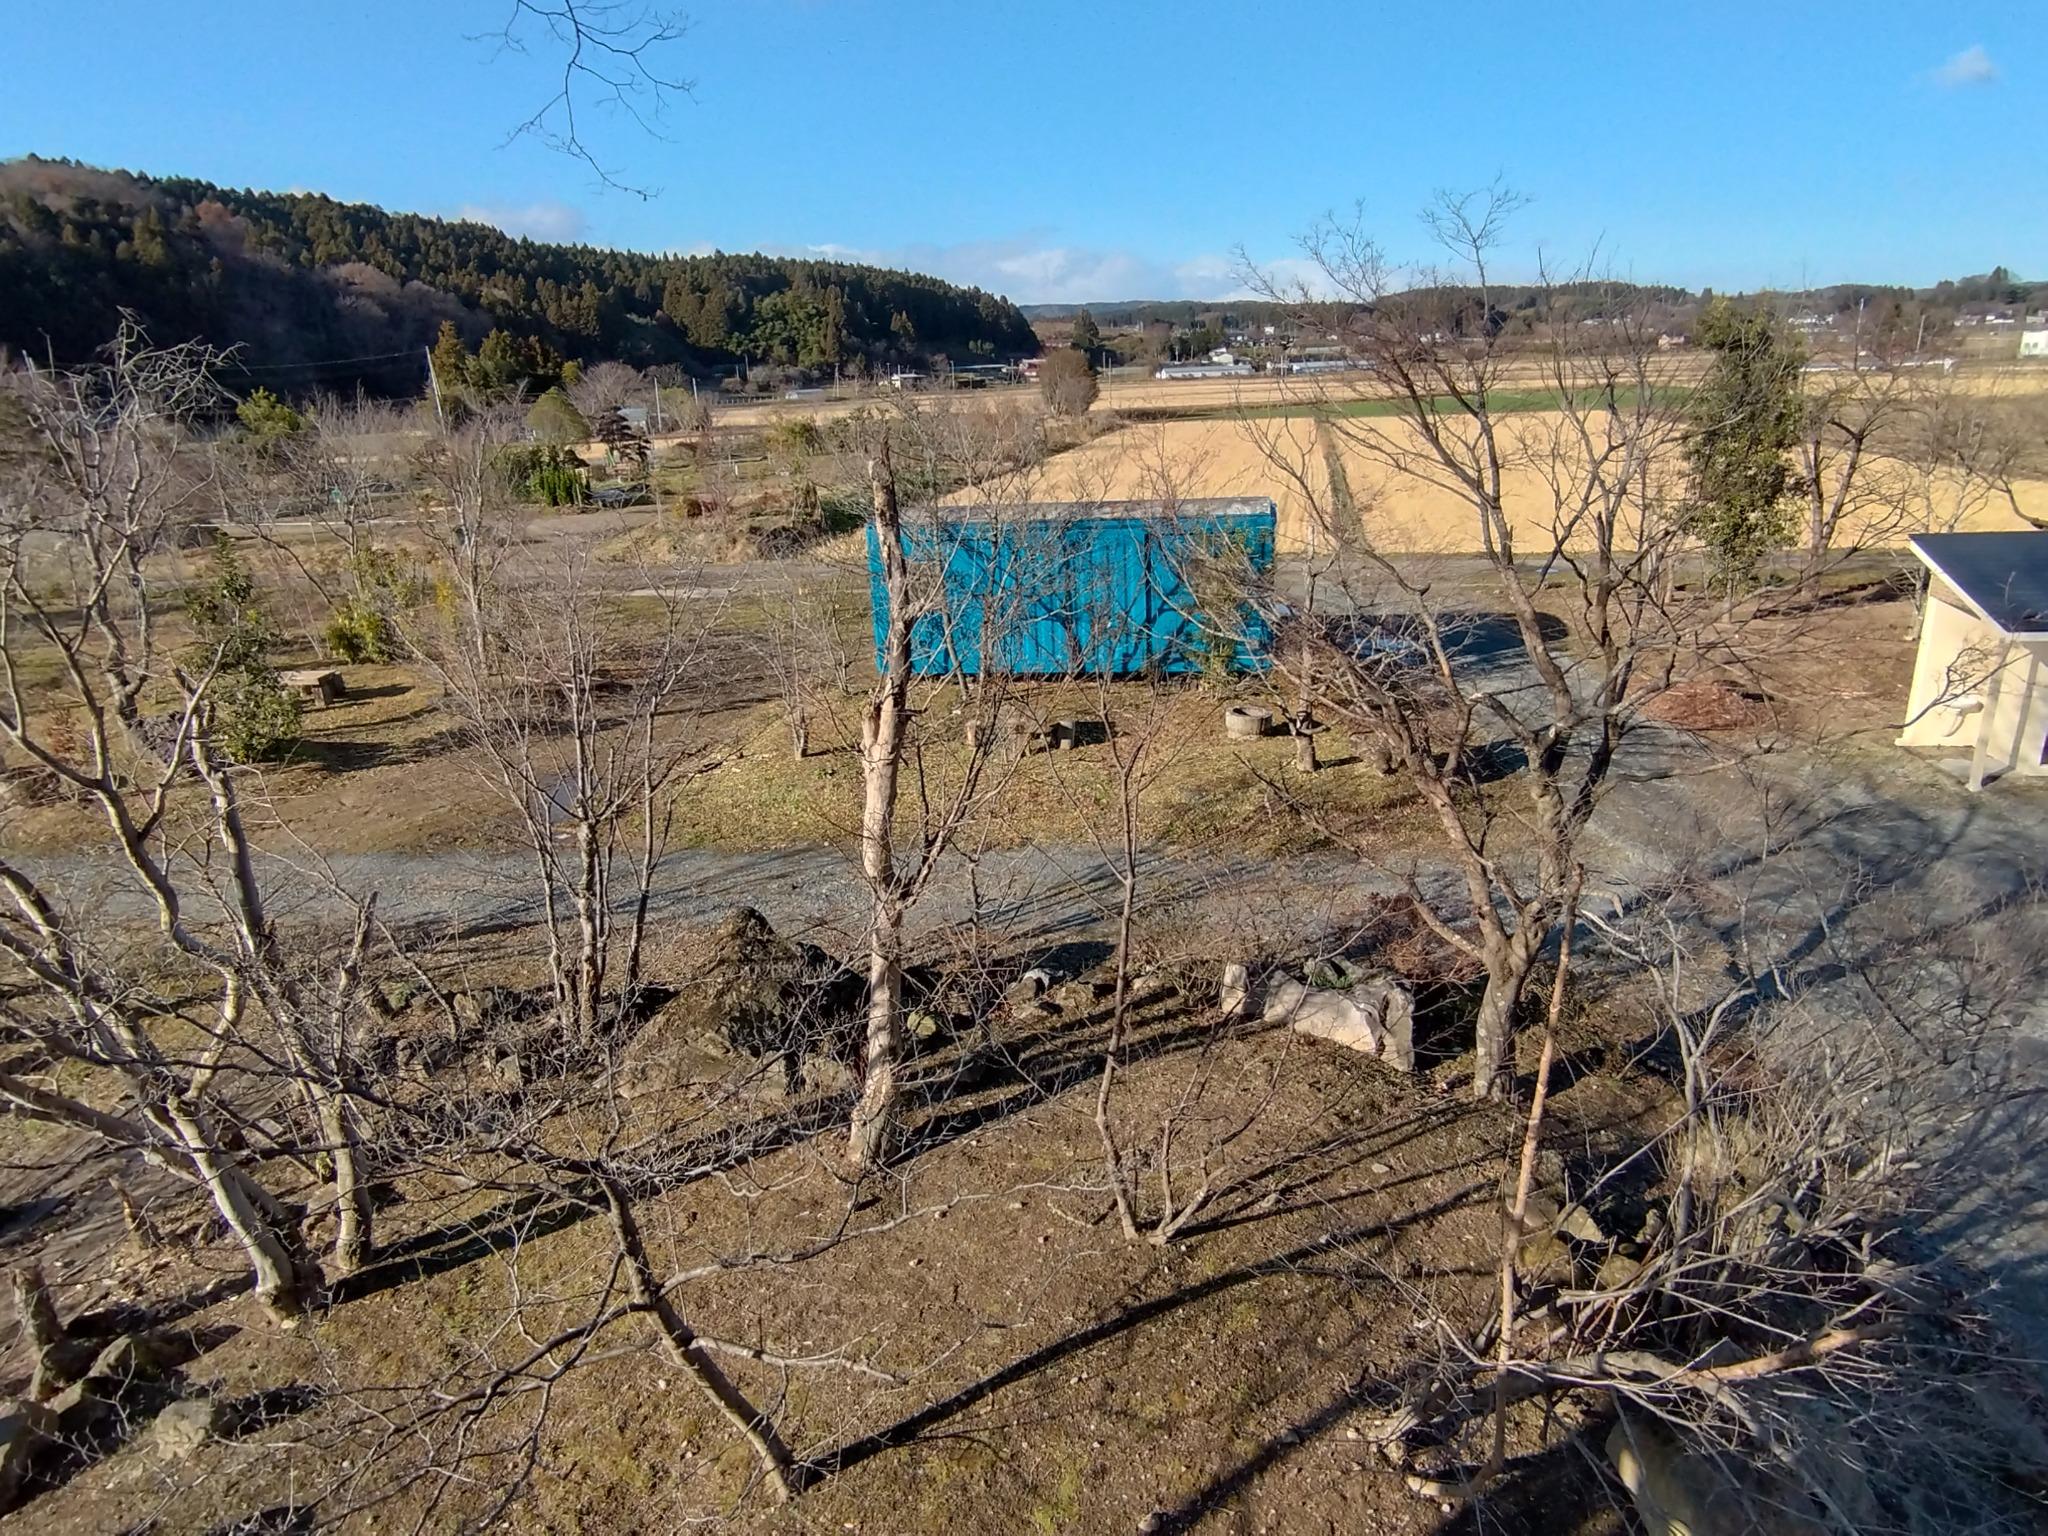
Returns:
(1890, 317)
(296, 281)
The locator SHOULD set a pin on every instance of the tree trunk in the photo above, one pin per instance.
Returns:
(591, 922)
(874, 1115)
(1304, 745)
(679, 1342)
(882, 733)
(1508, 964)
(286, 1282)
(1490, 1050)
(1304, 713)
(352, 1212)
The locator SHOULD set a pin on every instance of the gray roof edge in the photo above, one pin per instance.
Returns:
(1927, 547)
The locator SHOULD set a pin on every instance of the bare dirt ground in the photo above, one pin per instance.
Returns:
(1054, 1377)
(1057, 1377)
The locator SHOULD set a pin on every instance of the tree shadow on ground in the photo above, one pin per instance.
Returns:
(1291, 1263)
(541, 1212)
(381, 691)
(331, 755)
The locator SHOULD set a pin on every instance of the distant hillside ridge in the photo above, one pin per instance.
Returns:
(320, 295)
(2000, 286)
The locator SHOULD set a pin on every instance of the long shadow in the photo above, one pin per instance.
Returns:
(1370, 1393)
(1560, 1488)
(540, 1213)
(1307, 1257)
(1254, 1201)
(1045, 1075)
(334, 755)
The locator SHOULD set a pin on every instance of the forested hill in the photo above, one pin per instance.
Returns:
(320, 295)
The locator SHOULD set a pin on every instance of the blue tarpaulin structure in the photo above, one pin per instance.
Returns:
(1106, 588)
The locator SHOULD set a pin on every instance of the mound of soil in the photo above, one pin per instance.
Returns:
(1707, 704)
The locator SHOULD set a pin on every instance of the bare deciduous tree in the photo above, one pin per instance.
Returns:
(610, 50)
(1573, 518)
(127, 729)
(1768, 1288)
(569, 716)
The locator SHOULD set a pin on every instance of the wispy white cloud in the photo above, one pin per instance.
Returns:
(545, 219)
(1972, 66)
(1033, 268)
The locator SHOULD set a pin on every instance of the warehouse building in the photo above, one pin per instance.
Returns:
(1112, 588)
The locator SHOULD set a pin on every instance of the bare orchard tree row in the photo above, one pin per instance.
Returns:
(1574, 519)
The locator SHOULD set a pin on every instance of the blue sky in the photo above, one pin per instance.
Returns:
(1057, 151)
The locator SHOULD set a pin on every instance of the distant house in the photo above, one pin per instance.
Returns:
(2034, 343)
(1202, 371)
(1669, 340)
(634, 416)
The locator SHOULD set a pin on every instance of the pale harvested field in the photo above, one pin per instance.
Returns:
(1282, 458)
(1269, 452)
(1268, 392)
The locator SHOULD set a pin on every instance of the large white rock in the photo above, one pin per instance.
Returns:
(1375, 1015)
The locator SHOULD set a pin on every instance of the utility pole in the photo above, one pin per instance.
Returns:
(434, 380)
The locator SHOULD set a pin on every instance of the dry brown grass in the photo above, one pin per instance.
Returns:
(1401, 513)
(1067, 1381)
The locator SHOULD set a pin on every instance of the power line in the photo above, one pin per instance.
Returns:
(320, 362)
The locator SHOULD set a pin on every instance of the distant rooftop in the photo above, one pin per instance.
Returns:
(2002, 576)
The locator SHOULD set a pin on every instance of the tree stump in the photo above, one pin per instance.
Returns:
(1244, 722)
(1304, 730)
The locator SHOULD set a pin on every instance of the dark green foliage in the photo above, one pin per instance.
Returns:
(559, 485)
(1087, 334)
(545, 473)
(450, 358)
(267, 418)
(360, 628)
(295, 280)
(356, 631)
(623, 443)
(249, 713)
(1746, 418)
(841, 509)
(555, 420)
